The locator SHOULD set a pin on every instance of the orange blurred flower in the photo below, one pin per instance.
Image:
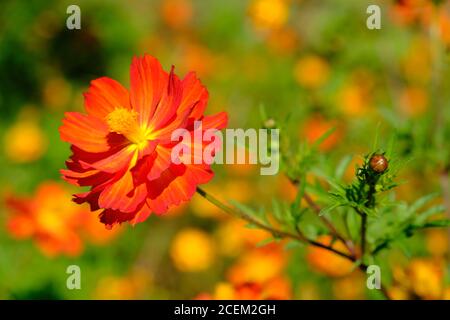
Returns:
(413, 101)
(199, 58)
(437, 242)
(192, 250)
(258, 274)
(316, 126)
(283, 41)
(177, 13)
(354, 98)
(327, 262)
(54, 222)
(311, 71)
(258, 265)
(406, 12)
(275, 289)
(444, 24)
(122, 146)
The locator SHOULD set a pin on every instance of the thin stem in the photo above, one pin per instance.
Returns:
(363, 233)
(279, 233)
(315, 207)
(445, 185)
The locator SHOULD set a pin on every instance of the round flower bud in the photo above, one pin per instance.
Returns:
(378, 163)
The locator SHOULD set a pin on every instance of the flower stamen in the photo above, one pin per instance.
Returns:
(125, 122)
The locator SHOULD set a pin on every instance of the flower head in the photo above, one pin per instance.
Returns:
(122, 145)
(55, 224)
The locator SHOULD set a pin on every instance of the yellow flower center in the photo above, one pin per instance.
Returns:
(124, 121)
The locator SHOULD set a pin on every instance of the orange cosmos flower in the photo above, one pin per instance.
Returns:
(122, 146)
(55, 224)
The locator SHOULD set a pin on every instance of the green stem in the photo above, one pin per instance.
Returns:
(280, 233)
(315, 207)
(275, 232)
(363, 234)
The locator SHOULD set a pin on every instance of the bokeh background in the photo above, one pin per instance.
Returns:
(315, 62)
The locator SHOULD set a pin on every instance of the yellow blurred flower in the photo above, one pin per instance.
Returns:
(311, 71)
(423, 278)
(25, 142)
(426, 278)
(350, 287)
(234, 237)
(269, 14)
(192, 250)
(224, 291)
(237, 189)
(205, 209)
(128, 287)
(417, 62)
(398, 293)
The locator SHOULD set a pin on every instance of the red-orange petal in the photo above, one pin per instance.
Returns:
(122, 195)
(147, 83)
(86, 132)
(103, 96)
(195, 96)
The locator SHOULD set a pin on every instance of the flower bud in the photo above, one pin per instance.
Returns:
(378, 163)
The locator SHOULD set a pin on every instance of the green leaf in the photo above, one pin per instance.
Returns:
(436, 224)
(322, 138)
(293, 245)
(422, 201)
(428, 213)
(342, 166)
(329, 208)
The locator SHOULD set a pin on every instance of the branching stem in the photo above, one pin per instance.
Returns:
(299, 236)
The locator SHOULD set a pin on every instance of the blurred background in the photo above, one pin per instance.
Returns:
(315, 62)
